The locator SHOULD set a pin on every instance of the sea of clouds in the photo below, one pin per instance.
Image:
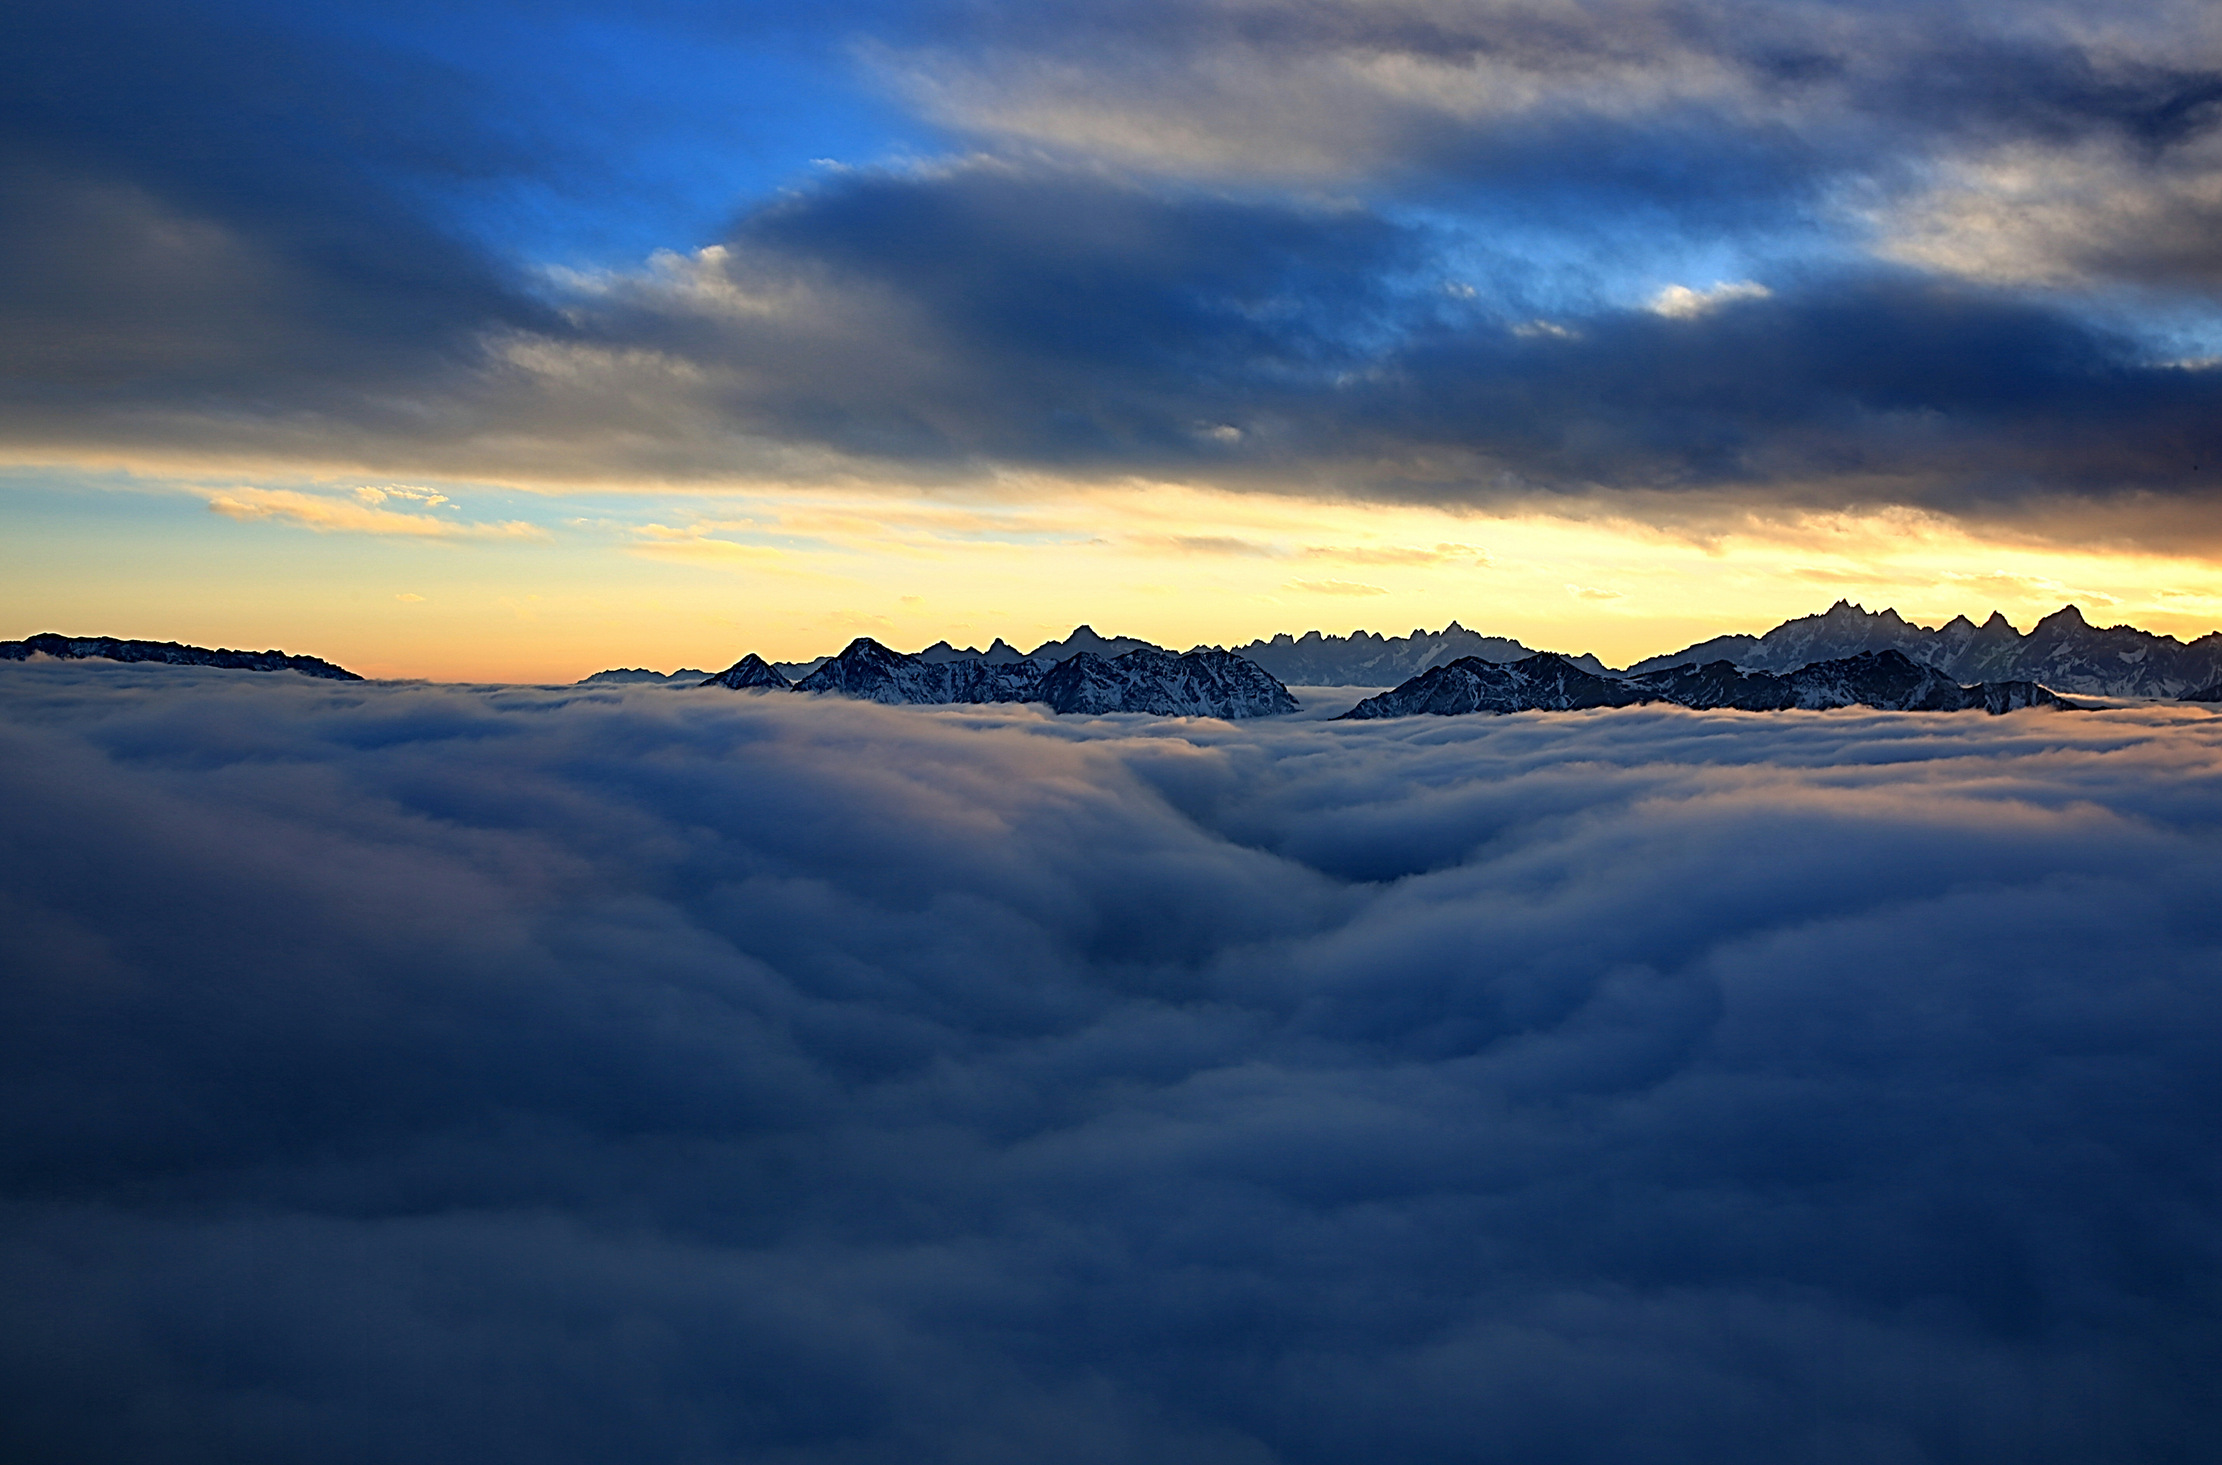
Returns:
(419, 1073)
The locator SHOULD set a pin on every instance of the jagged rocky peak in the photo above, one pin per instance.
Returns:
(1084, 638)
(169, 653)
(1368, 659)
(1961, 637)
(751, 672)
(998, 650)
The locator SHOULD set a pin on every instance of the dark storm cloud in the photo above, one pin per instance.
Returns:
(426, 1073)
(208, 211)
(1962, 395)
(1020, 314)
(1004, 315)
(2015, 142)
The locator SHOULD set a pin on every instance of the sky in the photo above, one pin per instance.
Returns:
(511, 342)
(404, 1072)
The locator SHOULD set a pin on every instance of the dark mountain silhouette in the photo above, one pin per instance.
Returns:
(172, 653)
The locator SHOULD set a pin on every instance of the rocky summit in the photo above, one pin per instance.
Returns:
(750, 671)
(170, 653)
(1886, 680)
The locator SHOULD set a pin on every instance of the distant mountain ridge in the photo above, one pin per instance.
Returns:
(1369, 659)
(2063, 651)
(685, 676)
(169, 653)
(1887, 680)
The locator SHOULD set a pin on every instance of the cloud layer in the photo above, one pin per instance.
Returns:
(416, 1072)
(1822, 254)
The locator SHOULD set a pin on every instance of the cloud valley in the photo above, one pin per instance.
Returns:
(430, 1072)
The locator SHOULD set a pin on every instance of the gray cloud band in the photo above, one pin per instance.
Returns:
(534, 1075)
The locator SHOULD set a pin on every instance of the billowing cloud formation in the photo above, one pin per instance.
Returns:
(1016, 316)
(410, 1072)
(1816, 255)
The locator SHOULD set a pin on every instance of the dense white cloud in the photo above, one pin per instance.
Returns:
(427, 1072)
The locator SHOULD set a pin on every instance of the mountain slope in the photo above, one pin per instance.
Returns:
(1201, 683)
(750, 671)
(1887, 680)
(1542, 682)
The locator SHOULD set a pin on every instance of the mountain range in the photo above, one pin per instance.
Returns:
(1888, 680)
(1315, 659)
(2063, 651)
(172, 653)
(1203, 683)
